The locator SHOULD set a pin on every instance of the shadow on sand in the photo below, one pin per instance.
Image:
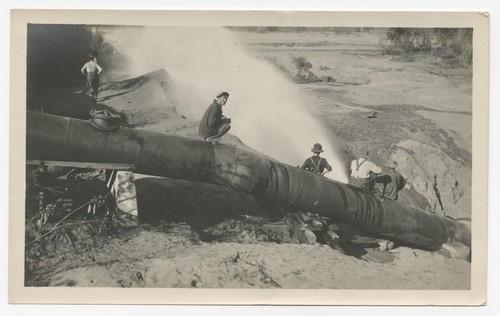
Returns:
(75, 103)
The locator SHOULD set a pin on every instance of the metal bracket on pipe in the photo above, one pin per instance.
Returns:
(104, 120)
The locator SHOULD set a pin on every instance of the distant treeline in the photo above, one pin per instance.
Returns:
(298, 29)
(454, 45)
(56, 53)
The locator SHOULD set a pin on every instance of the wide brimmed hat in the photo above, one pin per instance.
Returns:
(391, 163)
(220, 94)
(317, 148)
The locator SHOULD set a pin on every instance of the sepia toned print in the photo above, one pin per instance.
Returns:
(237, 157)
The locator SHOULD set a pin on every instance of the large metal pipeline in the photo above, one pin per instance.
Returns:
(51, 137)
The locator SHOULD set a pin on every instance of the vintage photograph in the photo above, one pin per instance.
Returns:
(248, 156)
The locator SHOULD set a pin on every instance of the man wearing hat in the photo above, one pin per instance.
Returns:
(392, 181)
(317, 164)
(213, 124)
(363, 172)
(92, 70)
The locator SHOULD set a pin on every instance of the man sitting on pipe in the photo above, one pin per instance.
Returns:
(214, 125)
(392, 181)
(363, 172)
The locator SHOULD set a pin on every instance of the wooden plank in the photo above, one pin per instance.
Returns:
(332, 239)
(86, 165)
(299, 229)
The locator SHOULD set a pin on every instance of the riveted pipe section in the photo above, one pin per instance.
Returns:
(52, 137)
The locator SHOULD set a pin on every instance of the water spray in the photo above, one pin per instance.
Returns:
(267, 109)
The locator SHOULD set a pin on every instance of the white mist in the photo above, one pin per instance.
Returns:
(265, 107)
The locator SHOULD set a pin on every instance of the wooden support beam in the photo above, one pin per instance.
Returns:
(332, 239)
(300, 230)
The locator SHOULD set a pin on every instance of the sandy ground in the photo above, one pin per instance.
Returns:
(197, 235)
(172, 256)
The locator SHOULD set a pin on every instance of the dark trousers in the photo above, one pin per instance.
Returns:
(359, 182)
(367, 184)
(93, 83)
(223, 129)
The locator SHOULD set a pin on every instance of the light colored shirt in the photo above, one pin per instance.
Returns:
(361, 168)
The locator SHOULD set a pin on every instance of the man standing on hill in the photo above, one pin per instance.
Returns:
(317, 164)
(214, 125)
(92, 70)
(363, 172)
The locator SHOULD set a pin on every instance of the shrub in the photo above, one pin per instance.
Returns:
(301, 63)
(303, 73)
(452, 44)
(409, 40)
(462, 46)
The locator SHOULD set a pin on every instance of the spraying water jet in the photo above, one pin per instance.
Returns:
(267, 109)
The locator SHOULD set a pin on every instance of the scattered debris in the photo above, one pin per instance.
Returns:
(455, 250)
(386, 245)
(309, 228)
(332, 239)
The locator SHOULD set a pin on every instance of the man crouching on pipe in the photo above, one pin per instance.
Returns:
(214, 125)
